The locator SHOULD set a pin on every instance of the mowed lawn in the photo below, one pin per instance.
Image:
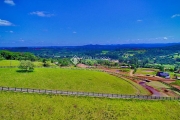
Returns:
(28, 106)
(65, 79)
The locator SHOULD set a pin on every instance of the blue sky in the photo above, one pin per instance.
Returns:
(81, 22)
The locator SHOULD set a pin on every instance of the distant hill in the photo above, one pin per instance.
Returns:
(96, 47)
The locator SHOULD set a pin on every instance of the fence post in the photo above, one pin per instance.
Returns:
(21, 89)
(15, 88)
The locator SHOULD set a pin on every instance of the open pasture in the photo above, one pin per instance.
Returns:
(34, 106)
(66, 79)
(9, 63)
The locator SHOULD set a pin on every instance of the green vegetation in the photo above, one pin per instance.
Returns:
(177, 82)
(66, 79)
(38, 64)
(157, 85)
(7, 55)
(26, 65)
(139, 88)
(27, 106)
(9, 63)
(147, 71)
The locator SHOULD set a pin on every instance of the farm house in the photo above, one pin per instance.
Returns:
(163, 74)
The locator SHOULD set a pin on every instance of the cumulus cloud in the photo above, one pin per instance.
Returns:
(5, 23)
(42, 14)
(176, 15)
(9, 2)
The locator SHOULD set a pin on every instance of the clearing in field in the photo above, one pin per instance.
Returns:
(66, 79)
(27, 106)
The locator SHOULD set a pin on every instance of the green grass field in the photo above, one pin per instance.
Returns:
(9, 63)
(177, 82)
(140, 90)
(146, 71)
(38, 64)
(16, 63)
(66, 79)
(25, 106)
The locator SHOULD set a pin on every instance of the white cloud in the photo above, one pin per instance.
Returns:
(176, 15)
(42, 14)
(165, 38)
(139, 20)
(10, 2)
(5, 23)
(74, 32)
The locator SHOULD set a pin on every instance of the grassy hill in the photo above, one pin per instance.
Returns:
(66, 79)
(25, 106)
(9, 63)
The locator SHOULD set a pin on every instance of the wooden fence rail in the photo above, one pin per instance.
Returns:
(91, 94)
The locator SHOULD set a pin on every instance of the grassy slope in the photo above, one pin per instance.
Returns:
(66, 79)
(23, 106)
(140, 90)
(9, 63)
(177, 82)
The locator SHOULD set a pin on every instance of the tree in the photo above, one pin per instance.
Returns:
(45, 63)
(26, 65)
(161, 68)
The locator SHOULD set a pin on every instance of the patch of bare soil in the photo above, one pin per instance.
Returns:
(176, 86)
(169, 92)
(82, 66)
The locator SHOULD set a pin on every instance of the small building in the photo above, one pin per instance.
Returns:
(163, 74)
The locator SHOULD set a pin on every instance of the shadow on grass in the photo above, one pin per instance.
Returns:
(24, 71)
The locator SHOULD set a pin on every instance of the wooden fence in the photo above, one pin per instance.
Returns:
(91, 94)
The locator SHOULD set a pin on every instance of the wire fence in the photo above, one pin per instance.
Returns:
(90, 94)
(109, 72)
